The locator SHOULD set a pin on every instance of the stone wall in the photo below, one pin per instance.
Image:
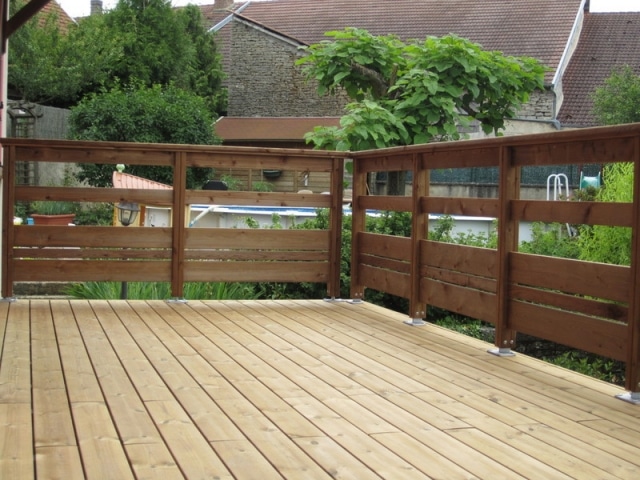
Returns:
(264, 81)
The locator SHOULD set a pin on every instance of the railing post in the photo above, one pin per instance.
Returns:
(358, 225)
(507, 242)
(419, 230)
(8, 202)
(632, 374)
(179, 223)
(335, 219)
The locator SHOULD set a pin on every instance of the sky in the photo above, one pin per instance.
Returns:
(81, 8)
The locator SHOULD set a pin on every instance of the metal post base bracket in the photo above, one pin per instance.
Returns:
(501, 352)
(415, 322)
(177, 300)
(630, 397)
(9, 299)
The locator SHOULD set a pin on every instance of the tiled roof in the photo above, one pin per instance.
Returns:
(537, 28)
(257, 129)
(53, 7)
(125, 180)
(608, 40)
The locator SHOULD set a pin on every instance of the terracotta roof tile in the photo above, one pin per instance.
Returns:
(539, 29)
(607, 41)
(125, 180)
(54, 8)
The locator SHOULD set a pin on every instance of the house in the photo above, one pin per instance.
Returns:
(263, 40)
(608, 41)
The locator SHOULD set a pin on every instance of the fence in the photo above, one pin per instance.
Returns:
(590, 306)
(175, 254)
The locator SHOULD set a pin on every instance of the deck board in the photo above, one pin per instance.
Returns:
(288, 389)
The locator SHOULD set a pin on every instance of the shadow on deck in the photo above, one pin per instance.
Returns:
(290, 389)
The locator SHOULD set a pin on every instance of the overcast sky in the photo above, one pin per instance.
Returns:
(81, 8)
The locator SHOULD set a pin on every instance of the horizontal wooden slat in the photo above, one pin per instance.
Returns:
(460, 258)
(578, 331)
(598, 280)
(586, 306)
(384, 263)
(88, 253)
(95, 195)
(476, 207)
(386, 203)
(388, 246)
(94, 154)
(585, 150)
(269, 199)
(257, 239)
(383, 280)
(461, 279)
(91, 270)
(464, 301)
(260, 159)
(461, 158)
(396, 162)
(579, 213)
(248, 255)
(255, 271)
(98, 237)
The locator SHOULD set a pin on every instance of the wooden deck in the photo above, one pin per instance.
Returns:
(295, 389)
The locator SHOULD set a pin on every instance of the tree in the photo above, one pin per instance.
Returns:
(139, 41)
(415, 93)
(142, 114)
(164, 45)
(618, 99)
(53, 67)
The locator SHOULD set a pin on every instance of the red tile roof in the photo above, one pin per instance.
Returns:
(537, 28)
(607, 41)
(125, 180)
(54, 8)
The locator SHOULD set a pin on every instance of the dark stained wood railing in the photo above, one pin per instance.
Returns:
(174, 254)
(590, 306)
(586, 305)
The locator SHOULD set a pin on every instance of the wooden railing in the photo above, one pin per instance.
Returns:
(590, 306)
(176, 254)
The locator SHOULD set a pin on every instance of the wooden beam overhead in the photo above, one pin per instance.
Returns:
(21, 17)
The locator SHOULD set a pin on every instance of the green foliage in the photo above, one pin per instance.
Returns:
(142, 114)
(55, 207)
(467, 326)
(160, 290)
(442, 231)
(591, 365)
(55, 68)
(552, 240)
(618, 100)
(139, 41)
(600, 243)
(95, 214)
(163, 45)
(415, 93)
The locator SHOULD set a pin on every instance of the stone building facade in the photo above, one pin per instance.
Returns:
(265, 82)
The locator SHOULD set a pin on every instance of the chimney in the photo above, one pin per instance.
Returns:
(96, 7)
(223, 4)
